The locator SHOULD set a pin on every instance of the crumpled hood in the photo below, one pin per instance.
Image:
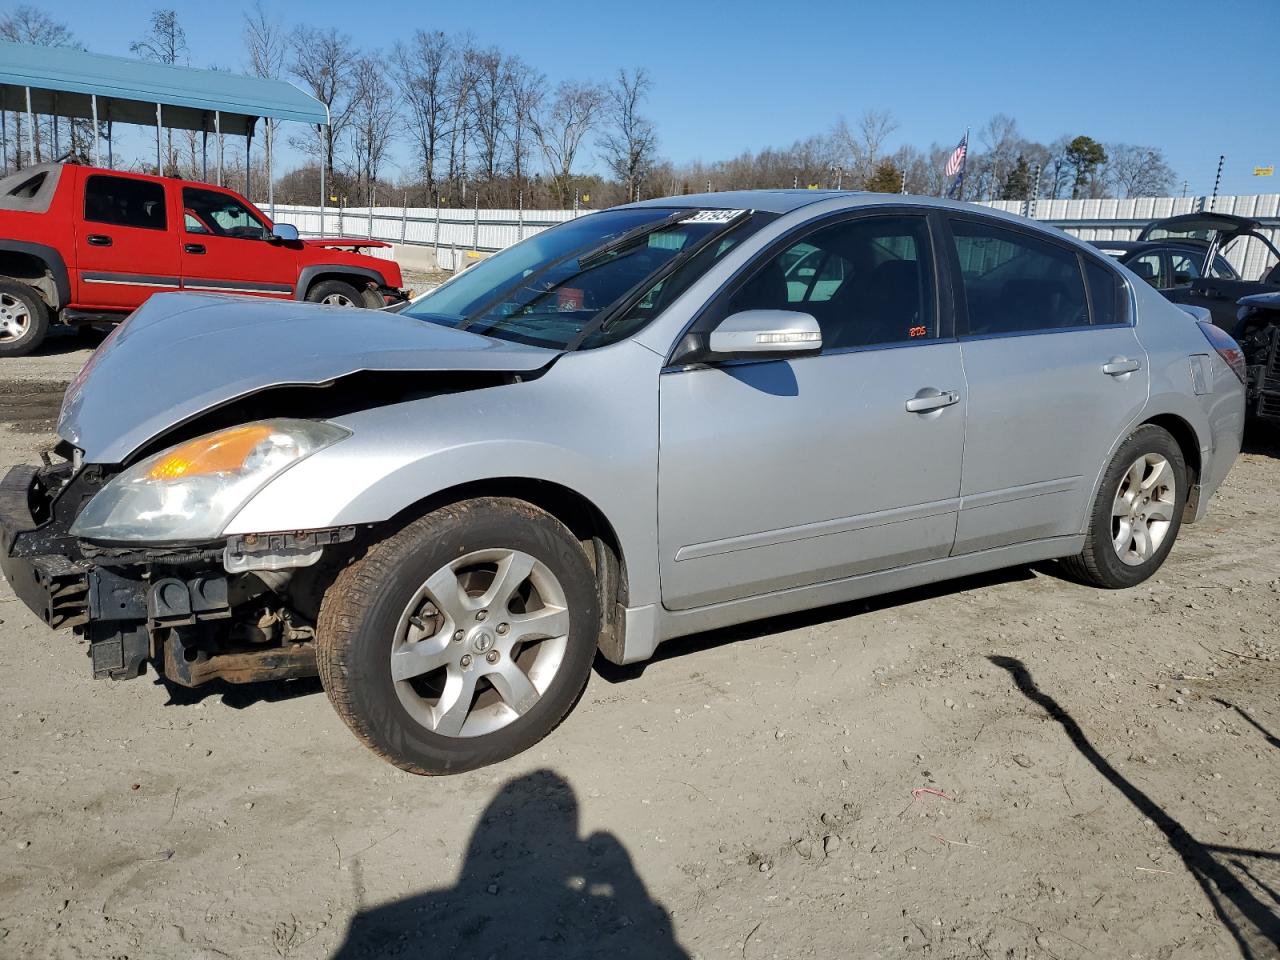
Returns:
(181, 354)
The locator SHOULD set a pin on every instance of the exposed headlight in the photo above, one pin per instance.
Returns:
(191, 491)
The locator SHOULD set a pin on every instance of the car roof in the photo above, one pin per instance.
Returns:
(785, 201)
(767, 201)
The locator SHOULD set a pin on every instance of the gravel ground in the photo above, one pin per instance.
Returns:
(1007, 766)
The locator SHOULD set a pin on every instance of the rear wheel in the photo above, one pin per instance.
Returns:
(462, 639)
(1137, 514)
(24, 319)
(336, 293)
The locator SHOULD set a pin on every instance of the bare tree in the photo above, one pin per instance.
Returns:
(561, 127)
(1058, 168)
(460, 84)
(1138, 171)
(875, 127)
(1000, 137)
(268, 51)
(421, 69)
(630, 143)
(528, 88)
(490, 107)
(372, 122)
(30, 25)
(265, 43)
(164, 42)
(325, 61)
(859, 147)
(27, 24)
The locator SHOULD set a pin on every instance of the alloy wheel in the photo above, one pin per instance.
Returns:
(338, 300)
(480, 642)
(1142, 511)
(15, 318)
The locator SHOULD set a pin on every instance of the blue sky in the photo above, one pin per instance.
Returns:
(1189, 77)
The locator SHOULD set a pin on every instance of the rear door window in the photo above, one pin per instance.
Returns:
(1147, 267)
(1013, 282)
(124, 202)
(1184, 267)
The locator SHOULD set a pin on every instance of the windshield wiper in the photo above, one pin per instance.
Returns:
(593, 253)
(632, 236)
(611, 312)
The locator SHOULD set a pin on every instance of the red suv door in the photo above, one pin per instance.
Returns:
(126, 249)
(228, 248)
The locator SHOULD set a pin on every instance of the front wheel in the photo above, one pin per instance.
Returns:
(335, 293)
(463, 638)
(1137, 514)
(24, 319)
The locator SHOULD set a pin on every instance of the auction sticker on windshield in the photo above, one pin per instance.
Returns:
(714, 216)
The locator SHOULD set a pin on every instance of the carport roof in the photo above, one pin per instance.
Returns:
(62, 80)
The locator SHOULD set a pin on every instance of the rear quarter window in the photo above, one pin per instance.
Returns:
(1107, 300)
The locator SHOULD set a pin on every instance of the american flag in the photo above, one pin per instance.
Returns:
(955, 163)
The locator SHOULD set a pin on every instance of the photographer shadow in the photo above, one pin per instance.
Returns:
(530, 887)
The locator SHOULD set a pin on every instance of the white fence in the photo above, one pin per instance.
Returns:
(1123, 219)
(454, 233)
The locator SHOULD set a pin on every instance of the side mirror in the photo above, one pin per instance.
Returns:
(284, 232)
(761, 334)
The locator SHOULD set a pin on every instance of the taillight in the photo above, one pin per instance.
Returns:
(1226, 346)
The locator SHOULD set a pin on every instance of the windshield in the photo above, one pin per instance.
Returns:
(587, 282)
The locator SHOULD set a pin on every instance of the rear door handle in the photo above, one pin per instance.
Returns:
(931, 398)
(193, 247)
(1118, 366)
(99, 240)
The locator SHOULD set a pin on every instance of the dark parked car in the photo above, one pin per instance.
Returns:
(1165, 265)
(1258, 330)
(1215, 234)
(1183, 258)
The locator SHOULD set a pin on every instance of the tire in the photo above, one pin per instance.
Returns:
(337, 293)
(24, 319)
(428, 599)
(1143, 492)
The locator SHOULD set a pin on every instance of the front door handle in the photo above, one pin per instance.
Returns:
(1119, 366)
(193, 247)
(99, 240)
(931, 398)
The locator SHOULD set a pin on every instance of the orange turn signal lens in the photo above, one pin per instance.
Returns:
(221, 453)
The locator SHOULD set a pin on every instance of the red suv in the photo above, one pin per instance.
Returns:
(81, 245)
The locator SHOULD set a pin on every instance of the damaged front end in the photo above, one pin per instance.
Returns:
(240, 609)
(180, 418)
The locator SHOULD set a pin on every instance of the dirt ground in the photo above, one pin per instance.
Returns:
(1009, 766)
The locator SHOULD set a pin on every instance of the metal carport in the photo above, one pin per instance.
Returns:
(60, 81)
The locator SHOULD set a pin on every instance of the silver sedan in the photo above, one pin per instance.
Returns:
(646, 422)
